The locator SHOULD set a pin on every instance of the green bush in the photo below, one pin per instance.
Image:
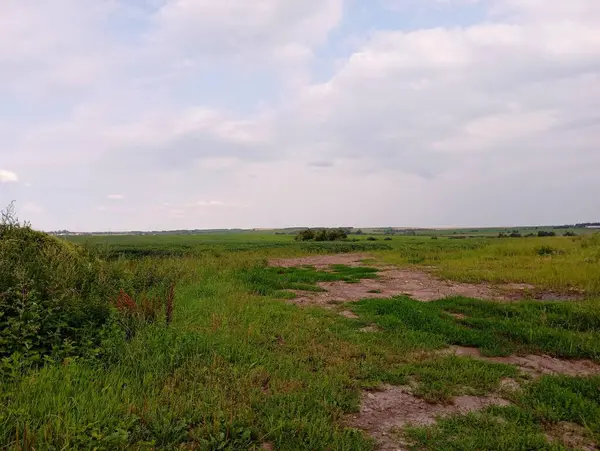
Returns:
(305, 235)
(57, 299)
(322, 235)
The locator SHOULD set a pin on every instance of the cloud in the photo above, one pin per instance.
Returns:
(481, 112)
(8, 176)
(283, 31)
(210, 203)
(321, 164)
(115, 197)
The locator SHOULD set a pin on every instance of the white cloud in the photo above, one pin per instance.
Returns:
(272, 102)
(115, 197)
(283, 30)
(8, 176)
(210, 203)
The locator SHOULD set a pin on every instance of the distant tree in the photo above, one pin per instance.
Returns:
(359, 232)
(305, 235)
(543, 233)
(569, 233)
(337, 234)
(321, 235)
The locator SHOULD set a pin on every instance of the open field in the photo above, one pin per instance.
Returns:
(243, 366)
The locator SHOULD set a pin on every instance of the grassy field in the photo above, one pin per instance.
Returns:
(238, 368)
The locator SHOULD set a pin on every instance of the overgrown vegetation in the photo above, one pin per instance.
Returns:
(57, 300)
(573, 264)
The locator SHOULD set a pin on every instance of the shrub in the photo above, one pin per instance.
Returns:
(568, 233)
(58, 299)
(387, 238)
(371, 238)
(546, 250)
(305, 235)
(543, 233)
(322, 235)
(50, 298)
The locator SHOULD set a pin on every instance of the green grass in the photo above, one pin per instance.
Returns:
(496, 428)
(277, 282)
(561, 329)
(238, 367)
(572, 264)
(551, 400)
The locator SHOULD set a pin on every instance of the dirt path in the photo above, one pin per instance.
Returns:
(535, 365)
(385, 413)
(420, 285)
(320, 261)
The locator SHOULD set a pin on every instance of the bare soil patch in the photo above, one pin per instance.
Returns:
(420, 285)
(536, 365)
(349, 314)
(371, 328)
(320, 261)
(571, 435)
(458, 316)
(386, 412)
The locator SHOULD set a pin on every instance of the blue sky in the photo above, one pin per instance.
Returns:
(168, 114)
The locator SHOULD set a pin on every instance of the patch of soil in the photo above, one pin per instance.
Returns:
(457, 315)
(509, 385)
(571, 435)
(385, 412)
(419, 285)
(349, 314)
(536, 365)
(391, 281)
(320, 261)
(371, 328)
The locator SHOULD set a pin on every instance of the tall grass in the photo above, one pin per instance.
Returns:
(555, 263)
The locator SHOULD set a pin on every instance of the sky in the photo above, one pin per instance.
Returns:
(185, 114)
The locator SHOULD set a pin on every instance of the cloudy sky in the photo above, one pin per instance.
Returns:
(164, 114)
